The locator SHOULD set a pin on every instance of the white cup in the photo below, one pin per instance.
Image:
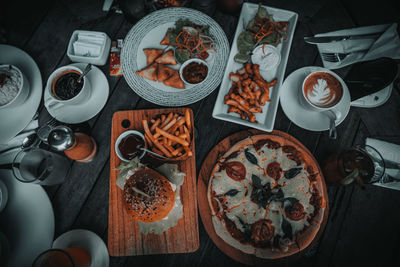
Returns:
(23, 89)
(311, 106)
(53, 101)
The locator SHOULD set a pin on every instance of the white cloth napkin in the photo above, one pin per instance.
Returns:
(391, 155)
(17, 140)
(386, 45)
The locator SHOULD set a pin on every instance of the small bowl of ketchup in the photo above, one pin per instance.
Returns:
(193, 71)
(129, 144)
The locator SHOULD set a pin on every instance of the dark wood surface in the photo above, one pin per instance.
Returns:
(363, 225)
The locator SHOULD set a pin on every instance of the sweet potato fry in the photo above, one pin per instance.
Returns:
(188, 151)
(176, 125)
(172, 137)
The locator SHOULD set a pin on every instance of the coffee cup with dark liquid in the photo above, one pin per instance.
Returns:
(64, 88)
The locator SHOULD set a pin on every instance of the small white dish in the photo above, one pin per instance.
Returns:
(99, 60)
(264, 51)
(23, 89)
(305, 118)
(186, 63)
(123, 135)
(27, 221)
(21, 114)
(3, 195)
(88, 240)
(84, 111)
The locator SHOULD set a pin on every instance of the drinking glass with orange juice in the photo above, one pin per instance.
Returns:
(66, 257)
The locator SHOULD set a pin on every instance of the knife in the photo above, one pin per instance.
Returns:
(328, 39)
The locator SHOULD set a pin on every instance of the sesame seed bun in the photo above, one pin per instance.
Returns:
(148, 209)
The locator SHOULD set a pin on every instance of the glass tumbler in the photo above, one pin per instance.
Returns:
(361, 163)
(35, 165)
(66, 257)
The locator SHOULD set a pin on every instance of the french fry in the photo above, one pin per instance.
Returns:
(188, 151)
(167, 120)
(155, 142)
(176, 125)
(172, 137)
(149, 142)
(177, 151)
(163, 117)
(156, 123)
(187, 118)
(170, 148)
(169, 125)
(187, 133)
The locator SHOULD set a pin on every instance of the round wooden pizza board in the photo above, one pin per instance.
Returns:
(205, 212)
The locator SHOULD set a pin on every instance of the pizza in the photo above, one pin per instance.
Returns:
(266, 197)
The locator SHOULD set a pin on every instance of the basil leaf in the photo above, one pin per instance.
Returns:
(293, 172)
(256, 181)
(287, 228)
(232, 192)
(251, 158)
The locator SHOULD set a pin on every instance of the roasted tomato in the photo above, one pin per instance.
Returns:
(262, 232)
(295, 212)
(274, 170)
(236, 170)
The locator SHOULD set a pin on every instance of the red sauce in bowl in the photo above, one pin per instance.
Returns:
(195, 72)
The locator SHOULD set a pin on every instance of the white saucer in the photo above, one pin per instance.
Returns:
(87, 240)
(297, 113)
(27, 221)
(15, 119)
(87, 110)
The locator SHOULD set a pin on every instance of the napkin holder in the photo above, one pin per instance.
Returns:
(100, 59)
(370, 82)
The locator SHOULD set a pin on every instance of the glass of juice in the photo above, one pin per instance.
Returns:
(66, 257)
(361, 163)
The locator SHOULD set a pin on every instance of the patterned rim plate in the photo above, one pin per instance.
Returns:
(148, 33)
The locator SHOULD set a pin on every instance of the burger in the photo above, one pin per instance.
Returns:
(149, 196)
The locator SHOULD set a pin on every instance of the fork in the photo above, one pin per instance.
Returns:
(334, 57)
(43, 131)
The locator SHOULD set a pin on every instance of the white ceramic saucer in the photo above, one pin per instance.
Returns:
(20, 115)
(27, 221)
(297, 113)
(87, 110)
(87, 240)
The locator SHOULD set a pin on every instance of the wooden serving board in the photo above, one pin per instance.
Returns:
(124, 238)
(205, 211)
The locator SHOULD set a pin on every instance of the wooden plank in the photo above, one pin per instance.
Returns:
(124, 237)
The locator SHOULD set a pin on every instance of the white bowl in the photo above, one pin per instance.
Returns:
(124, 134)
(23, 90)
(187, 62)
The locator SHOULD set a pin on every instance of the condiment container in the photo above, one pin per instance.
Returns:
(267, 56)
(186, 63)
(124, 135)
(90, 39)
(76, 146)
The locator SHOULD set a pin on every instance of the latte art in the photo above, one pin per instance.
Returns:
(321, 94)
(322, 89)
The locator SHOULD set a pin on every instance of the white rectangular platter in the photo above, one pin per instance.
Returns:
(266, 119)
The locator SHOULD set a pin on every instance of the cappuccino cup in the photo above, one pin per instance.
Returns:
(63, 89)
(322, 91)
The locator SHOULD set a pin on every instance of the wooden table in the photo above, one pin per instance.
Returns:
(363, 225)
